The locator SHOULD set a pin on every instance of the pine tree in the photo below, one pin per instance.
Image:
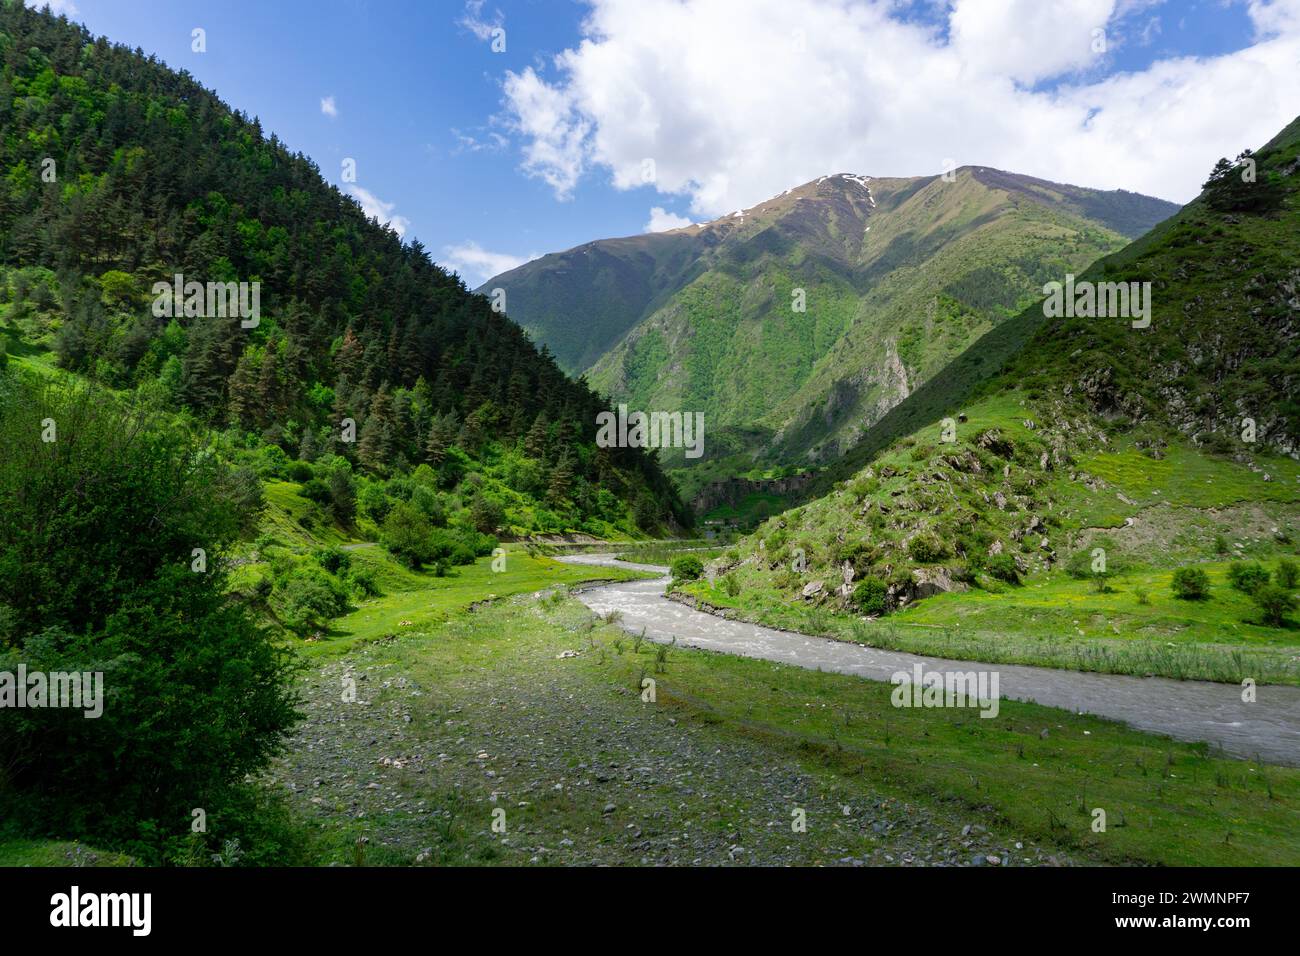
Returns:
(537, 440)
(375, 449)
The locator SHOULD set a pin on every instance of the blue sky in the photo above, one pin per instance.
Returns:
(516, 154)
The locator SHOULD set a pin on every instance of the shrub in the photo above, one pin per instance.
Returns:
(95, 576)
(333, 559)
(1275, 602)
(687, 568)
(374, 502)
(316, 490)
(362, 582)
(1248, 578)
(731, 585)
(1288, 574)
(869, 596)
(1191, 584)
(299, 471)
(407, 535)
(1220, 544)
(310, 598)
(926, 549)
(1003, 567)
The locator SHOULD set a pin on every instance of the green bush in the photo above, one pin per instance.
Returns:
(316, 490)
(333, 559)
(1288, 574)
(407, 535)
(1191, 584)
(299, 471)
(731, 585)
(1275, 603)
(869, 596)
(686, 568)
(1248, 578)
(95, 570)
(361, 581)
(310, 598)
(926, 549)
(1003, 567)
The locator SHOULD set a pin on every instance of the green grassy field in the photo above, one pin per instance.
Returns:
(547, 672)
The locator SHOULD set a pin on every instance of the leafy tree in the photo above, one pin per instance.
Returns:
(407, 534)
(1275, 603)
(1242, 186)
(98, 572)
(869, 596)
(1191, 584)
(1247, 577)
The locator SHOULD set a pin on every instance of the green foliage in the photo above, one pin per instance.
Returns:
(1191, 584)
(1240, 187)
(1248, 577)
(355, 324)
(926, 548)
(311, 598)
(1288, 574)
(1003, 567)
(1275, 603)
(869, 596)
(95, 570)
(687, 568)
(408, 535)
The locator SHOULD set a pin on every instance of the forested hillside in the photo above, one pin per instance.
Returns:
(796, 324)
(1163, 442)
(119, 173)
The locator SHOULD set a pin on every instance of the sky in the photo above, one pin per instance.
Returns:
(495, 132)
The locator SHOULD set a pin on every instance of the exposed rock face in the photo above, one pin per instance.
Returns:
(932, 581)
(813, 590)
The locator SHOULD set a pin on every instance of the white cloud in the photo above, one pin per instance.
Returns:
(65, 7)
(474, 22)
(376, 208)
(661, 220)
(328, 108)
(477, 264)
(737, 100)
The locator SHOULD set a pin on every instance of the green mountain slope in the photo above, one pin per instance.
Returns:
(120, 174)
(897, 277)
(1167, 446)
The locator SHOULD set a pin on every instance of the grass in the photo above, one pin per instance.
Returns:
(421, 600)
(1057, 621)
(1036, 772)
(57, 853)
(1167, 802)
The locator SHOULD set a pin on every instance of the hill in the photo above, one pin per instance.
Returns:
(796, 324)
(1166, 446)
(122, 175)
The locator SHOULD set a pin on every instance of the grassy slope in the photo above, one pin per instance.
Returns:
(557, 742)
(941, 265)
(1175, 509)
(1126, 418)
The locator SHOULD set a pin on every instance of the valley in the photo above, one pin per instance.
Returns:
(672, 549)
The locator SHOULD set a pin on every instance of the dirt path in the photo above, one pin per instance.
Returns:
(1268, 729)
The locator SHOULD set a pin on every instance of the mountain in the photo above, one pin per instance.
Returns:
(1165, 442)
(123, 175)
(895, 277)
